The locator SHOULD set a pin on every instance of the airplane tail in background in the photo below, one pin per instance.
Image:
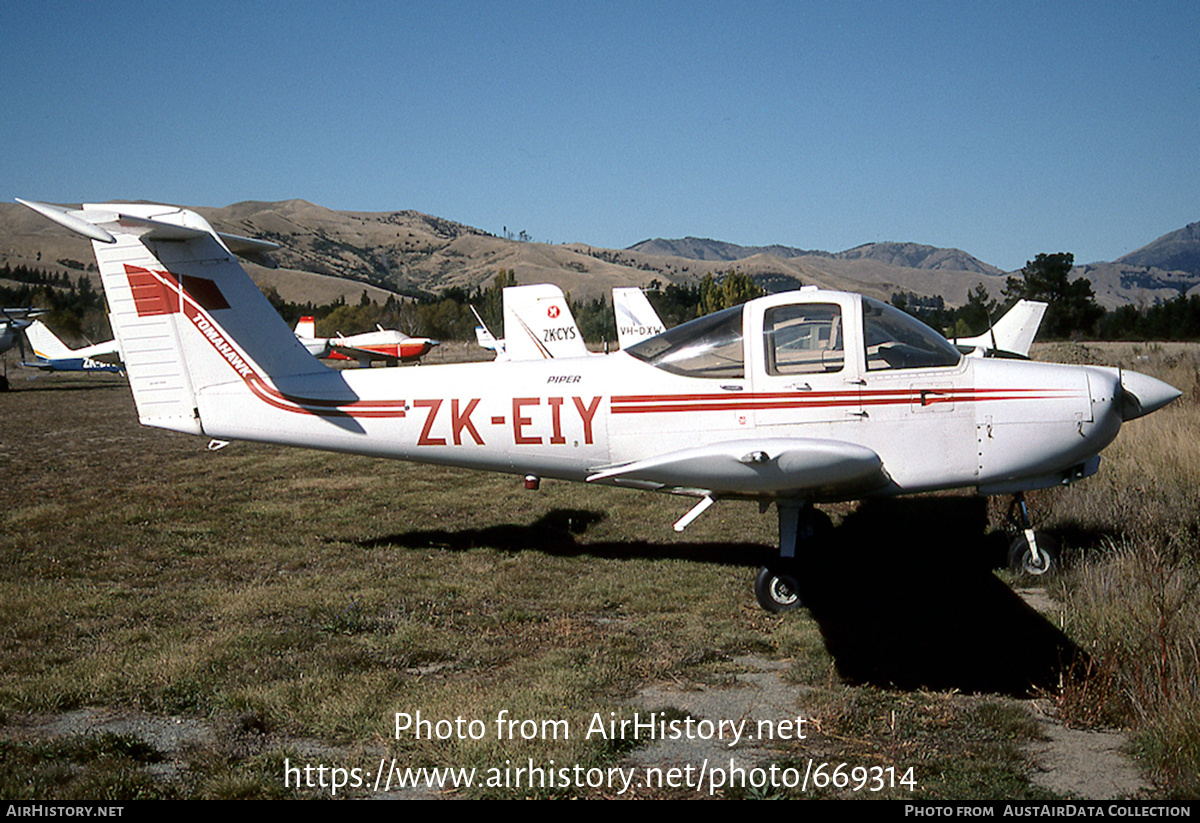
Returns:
(306, 327)
(1013, 333)
(538, 324)
(636, 318)
(174, 287)
(44, 344)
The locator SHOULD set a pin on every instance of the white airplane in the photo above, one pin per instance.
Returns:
(1011, 335)
(54, 355)
(795, 398)
(386, 345)
(538, 325)
(636, 318)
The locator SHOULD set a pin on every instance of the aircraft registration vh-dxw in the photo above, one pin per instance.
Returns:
(798, 398)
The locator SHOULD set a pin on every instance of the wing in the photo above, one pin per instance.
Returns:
(788, 467)
(365, 357)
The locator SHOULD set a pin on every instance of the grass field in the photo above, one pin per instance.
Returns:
(275, 606)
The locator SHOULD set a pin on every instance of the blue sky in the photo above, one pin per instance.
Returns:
(1002, 129)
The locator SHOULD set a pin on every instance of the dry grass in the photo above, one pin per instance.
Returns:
(288, 596)
(1133, 595)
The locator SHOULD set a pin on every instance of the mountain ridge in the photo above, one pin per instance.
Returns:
(325, 254)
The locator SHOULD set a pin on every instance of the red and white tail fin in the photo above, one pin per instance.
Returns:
(306, 327)
(178, 301)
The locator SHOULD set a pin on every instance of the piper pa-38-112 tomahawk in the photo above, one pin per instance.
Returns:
(796, 398)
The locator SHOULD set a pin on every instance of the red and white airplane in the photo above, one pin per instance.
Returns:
(795, 398)
(387, 345)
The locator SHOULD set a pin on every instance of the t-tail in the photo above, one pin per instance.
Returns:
(178, 301)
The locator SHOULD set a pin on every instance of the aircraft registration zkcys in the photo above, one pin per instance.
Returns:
(793, 399)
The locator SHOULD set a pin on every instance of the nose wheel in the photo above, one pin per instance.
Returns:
(1035, 557)
(1031, 553)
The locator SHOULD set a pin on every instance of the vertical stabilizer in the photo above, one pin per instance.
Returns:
(538, 324)
(175, 289)
(636, 318)
(44, 342)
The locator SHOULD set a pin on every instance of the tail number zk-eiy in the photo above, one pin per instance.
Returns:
(523, 428)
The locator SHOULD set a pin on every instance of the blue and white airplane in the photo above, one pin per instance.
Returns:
(53, 355)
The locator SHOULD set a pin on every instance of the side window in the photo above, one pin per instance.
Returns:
(804, 338)
(895, 340)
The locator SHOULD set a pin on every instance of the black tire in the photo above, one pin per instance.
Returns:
(1020, 558)
(3, 382)
(776, 590)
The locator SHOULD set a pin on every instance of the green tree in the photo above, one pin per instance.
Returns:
(1073, 309)
(732, 289)
(979, 312)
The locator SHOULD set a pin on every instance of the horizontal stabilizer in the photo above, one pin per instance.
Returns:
(99, 222)
(799, 466)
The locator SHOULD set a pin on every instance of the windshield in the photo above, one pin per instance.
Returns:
(895, 340)
(709, 346)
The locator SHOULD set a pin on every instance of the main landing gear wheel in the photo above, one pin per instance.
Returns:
(777, 590)
(1021, 560)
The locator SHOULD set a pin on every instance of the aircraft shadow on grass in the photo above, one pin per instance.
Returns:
(903, 592)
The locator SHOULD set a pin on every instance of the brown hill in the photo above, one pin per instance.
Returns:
(326, 254)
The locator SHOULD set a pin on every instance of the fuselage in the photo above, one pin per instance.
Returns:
(803, 396)
(970, 422)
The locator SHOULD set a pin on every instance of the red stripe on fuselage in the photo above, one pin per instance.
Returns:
(665, 403)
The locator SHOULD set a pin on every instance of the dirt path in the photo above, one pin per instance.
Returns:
(1080, 763)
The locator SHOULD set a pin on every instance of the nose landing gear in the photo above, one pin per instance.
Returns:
(1032, 553)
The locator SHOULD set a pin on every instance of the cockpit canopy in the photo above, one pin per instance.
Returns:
(808, 336)
(709, 346)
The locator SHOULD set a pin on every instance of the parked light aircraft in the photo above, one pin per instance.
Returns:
(54, 355)
(12, 323)
(794, 398)
(388, 346)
